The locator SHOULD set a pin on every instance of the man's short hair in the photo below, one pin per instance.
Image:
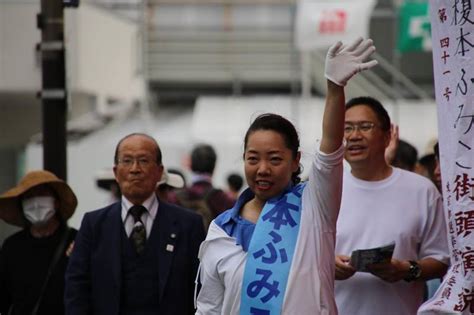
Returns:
(406, 156)
(158, 150)
(235, 181)
(203, 159)
(377, 108)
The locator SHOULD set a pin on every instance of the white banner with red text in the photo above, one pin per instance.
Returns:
(453, 51)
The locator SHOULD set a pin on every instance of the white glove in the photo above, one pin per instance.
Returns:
(343, 62)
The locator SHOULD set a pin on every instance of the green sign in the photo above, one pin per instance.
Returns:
(414, 27)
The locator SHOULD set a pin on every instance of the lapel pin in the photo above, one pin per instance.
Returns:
(170, 248)
(173, 235)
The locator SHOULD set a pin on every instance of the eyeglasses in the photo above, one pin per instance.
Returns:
(365, 126)
(128, 161)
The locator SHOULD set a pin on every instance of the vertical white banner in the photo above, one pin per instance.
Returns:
(321, 23)
(452, 25)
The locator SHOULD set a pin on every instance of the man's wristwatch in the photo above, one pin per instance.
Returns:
(414, 272)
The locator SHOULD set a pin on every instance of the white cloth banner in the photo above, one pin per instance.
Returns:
(453, 51)
(321, 23)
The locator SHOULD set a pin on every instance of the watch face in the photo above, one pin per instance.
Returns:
(415, 270)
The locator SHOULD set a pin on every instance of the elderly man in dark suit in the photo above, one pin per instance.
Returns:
(139, 255)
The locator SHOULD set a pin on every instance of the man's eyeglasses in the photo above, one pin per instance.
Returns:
(143, 162)
(365, 126)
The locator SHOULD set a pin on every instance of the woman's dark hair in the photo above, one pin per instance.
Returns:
(283, 127)
(377, 108)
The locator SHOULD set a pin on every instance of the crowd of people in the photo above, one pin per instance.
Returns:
(281, 246)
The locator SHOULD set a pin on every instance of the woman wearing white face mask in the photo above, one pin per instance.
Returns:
(33, 261)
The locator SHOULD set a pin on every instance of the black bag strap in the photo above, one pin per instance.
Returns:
(57, 256)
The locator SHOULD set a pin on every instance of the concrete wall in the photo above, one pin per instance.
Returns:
(19, 68)
(20, 117)
(103, 54)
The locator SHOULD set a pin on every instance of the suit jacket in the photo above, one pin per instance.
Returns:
(93, 276)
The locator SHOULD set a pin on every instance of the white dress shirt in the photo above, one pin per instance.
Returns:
(148, 217)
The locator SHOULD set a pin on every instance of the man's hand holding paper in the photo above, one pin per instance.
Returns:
(343, 268)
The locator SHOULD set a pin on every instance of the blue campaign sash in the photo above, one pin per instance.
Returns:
(270, 254)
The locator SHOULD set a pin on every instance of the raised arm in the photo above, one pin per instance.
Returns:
(342, 63)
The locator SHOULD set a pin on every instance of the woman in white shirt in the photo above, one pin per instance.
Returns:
(273, 252)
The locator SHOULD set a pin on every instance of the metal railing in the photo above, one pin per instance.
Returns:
(221, 56)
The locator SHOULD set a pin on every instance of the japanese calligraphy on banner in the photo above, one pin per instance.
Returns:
(453, 52)
(268, 266)
(321, 23)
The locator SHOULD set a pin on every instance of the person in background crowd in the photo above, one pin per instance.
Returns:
(33, 261)
(272, 253)
(426, 166)
(179, 173)
(400, 153)
(406, 156)
(139, 255)
(170, 180)
(202, 196)
(384, 205)
(234, 183)
(106, 180)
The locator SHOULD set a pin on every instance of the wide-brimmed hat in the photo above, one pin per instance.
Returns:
(10, 202)
(171, 179)
(105, 179)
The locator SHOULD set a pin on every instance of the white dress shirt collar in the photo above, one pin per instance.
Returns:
(148, 217)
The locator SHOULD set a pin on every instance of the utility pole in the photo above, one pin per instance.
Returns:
(53, 93)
